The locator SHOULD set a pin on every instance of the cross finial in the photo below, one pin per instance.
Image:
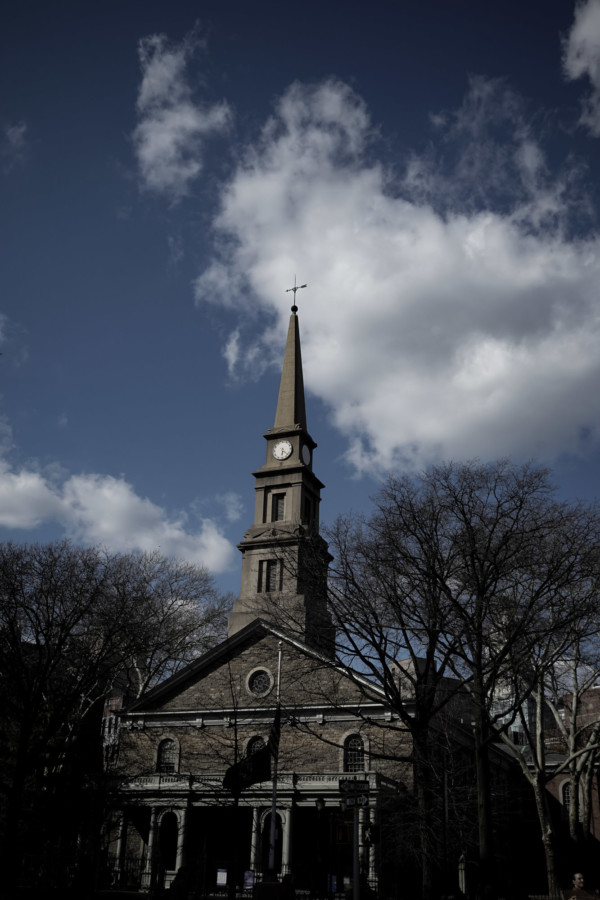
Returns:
(294, 289)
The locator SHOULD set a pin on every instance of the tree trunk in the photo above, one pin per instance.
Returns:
(425, 812)
(14, 807)
(484, 805)
(541, 801)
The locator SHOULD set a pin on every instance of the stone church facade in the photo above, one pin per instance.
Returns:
(177, 742)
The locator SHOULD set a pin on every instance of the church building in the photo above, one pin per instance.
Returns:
(271, 686)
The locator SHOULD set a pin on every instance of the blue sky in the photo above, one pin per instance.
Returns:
(431, 170)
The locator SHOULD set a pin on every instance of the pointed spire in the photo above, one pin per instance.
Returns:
(291, 409)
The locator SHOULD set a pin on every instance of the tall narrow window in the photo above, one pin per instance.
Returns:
(277, 507)
(269, 575)
(354, 754)
(272, 575)
(167, 757)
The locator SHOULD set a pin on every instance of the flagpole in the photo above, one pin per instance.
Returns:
(275, 761)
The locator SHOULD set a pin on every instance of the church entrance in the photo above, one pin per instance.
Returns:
(218, 841)
(321, 850)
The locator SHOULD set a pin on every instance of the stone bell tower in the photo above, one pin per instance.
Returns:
(284, 558)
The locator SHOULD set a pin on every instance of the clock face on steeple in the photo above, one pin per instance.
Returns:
(282, 450)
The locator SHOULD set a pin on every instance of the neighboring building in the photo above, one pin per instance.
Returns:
(177, 742)
(560, 786)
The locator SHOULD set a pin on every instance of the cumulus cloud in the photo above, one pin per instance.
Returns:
(172, 129)
(449, 311)
(581, 59)
(487, 157)
(26, 499)
(100, 509)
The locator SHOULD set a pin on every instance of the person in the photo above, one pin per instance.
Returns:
(577, 891)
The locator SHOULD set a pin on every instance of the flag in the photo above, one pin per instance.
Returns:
(248, 771)
(257, 767)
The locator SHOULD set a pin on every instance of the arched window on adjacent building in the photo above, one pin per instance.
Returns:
(166, 762)
(354, 754)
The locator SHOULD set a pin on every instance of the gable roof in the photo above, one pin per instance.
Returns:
(251, 633)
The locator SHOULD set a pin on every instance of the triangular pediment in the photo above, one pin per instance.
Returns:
(230, 676)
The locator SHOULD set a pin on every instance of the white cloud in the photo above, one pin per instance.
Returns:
(581, 58)
(448, 313)
(100, 509)
(233, 505)
(26, 499)
(105, 510)
(172, 128)
(231, 351)
(15, 135)
(13, 145)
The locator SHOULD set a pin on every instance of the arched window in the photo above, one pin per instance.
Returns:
(354, 754)
(166, 762)
(566, 794)
(254, 745)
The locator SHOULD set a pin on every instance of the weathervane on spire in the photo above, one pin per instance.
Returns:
(294, 289)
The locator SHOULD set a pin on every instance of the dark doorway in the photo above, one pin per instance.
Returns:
(218, 838)
(321, 849)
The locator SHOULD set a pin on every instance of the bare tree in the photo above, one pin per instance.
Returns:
(463, 571)
(526, 567)
(567, 691)
(392, 622)
(174, 615)
(69, 630)
(571, 693)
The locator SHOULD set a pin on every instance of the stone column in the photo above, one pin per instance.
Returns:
(361, 840)
(286, 824)
(255, 838)
(119, 847)
(373, 876)
(181, 835)
(149, 867)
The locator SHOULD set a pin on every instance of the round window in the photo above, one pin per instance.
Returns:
(259, 682)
